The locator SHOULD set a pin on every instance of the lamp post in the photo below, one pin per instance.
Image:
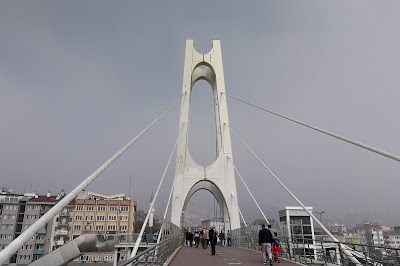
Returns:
(320, 215)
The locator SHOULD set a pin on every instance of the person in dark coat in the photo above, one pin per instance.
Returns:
(265, 241)
(222, 238)
(210, 234)
(214, 241)
(196, 238)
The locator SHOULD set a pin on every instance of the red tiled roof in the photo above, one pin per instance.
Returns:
(51, 199)
(391, 233)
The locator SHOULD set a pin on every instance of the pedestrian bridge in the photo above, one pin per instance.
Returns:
(219, 179)
(225, 256)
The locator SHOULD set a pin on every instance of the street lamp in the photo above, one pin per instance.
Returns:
(320, 215)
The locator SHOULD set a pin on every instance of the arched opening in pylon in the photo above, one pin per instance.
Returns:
(202, 136)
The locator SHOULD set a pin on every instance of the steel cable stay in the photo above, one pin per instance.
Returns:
(139, 239)
(237, 204)
(356, 143)
(251, 194)
(345, 249)
(17, 243)
(169, 199)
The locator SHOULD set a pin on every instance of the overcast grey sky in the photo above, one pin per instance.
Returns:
(79, 79)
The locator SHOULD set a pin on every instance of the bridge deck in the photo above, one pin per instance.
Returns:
(225, 256)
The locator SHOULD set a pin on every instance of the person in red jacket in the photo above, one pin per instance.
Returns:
(276, 247)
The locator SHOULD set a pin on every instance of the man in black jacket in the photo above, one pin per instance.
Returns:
(265, 241)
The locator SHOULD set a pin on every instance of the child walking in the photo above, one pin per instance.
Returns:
(276, 247)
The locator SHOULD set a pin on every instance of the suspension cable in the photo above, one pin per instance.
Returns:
(237, 204)
(165, 213)
(356, 143)
(169, 200)
(251, 194)
(346, 251)
(139, 239)
(15, 245)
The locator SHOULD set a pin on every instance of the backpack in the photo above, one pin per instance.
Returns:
(277, 242)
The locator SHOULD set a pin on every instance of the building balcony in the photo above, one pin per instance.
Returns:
(59, 242)
(62, 224)
(61, 232)
(38, 252)
(65, 214)
(40, 241)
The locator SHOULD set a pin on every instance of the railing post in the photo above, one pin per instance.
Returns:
(288, 248)
(323, 253)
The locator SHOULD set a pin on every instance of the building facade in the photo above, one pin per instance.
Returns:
(371, 234)
(95, 213)
(18, 213)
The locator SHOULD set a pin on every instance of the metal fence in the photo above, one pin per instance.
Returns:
(319, 252)
(158, 254)
(168, 230)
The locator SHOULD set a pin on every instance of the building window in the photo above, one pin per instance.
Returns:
(112, 208)
(88, 228)
(111, 227)
(112, 218)
(100, 218)
(123, 228)
(96, 258)
(101, 208)
(89, 218)
(77, 227)
(79, 207)
(78, 218)
(123, 218)
(108, 257)
(84, 258)
(90, 208)
(99, 227)
(124, 208)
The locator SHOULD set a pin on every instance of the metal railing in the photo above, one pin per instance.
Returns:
(168, 230)
(318, 251)
(158, 254)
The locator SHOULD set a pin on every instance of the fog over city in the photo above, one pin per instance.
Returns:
(79, 79)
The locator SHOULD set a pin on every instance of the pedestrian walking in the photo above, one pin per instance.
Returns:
(222, 238)
(214, 241)
(204, 238)
(228, 237)
(196, 238)
(265, 241)
(210, 233)
(188, 243)
(276, 247)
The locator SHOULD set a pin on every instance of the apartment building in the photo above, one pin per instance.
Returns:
(110, 215)
(18, 213)
(371, 234)
(9, 209)
(392, 238)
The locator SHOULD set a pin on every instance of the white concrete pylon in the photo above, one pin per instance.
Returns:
(219, 177)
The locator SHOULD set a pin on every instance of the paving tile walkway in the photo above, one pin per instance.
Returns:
(225, 256)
